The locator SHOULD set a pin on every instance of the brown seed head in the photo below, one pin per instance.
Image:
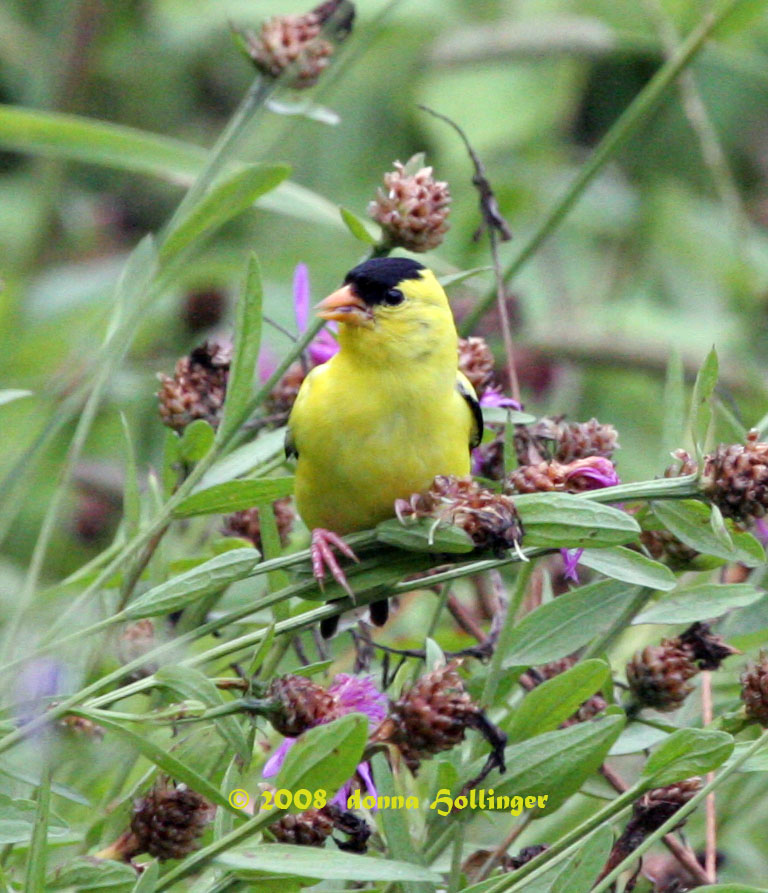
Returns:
(169, 821)
(476, 361)
(413, 207)
(754, 690)
(246, 523)
(735, 478)
(658, 675)
(295, 44)
(432, 716)
(556, 439)
(303, 704)
(705, 648)
(668, 549)
(280, 402)
(197, 388)
(310, 828)
(203, 308)
(490, 519)
(578, 476)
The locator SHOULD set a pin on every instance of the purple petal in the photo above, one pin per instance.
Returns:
(275, 762)
(267, 364)
(571, 558)
(493, 397)
(323, 348)
(301, 296)
(358, 694)
(346, 790)
(761, 530)
(597, 470)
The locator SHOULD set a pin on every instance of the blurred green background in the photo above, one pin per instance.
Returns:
(664, 255)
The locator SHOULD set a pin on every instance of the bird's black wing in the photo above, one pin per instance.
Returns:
(477, 432)
(289, 445)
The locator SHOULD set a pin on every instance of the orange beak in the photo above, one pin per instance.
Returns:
(345, 306)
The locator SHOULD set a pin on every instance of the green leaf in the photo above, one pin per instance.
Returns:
(580, 871)
(621, 563)
(556, 764)
(328, 864)
(358, 227)
(559, 627)
(166, 762)
(636, 737)
(687, 752)
(325, 757)
(370, 576)
(562, 520)
(247, 341)
(148, 878)
(233, 496)
(689, 520)
(92, 874)
(261, 652)
(211, 576)
(10, 394)
(424, 535)
(552, 702)
(717, 523)
(500, 415)
(17, 821)
(131, 498)
(196, 441)
(244, 459)
(462, 276)
(728, 888)
(694, 602)
(703, 389)
(191, 683)
(38, 851)
(226, 199)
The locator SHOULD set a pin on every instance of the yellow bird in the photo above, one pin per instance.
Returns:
(386, 414)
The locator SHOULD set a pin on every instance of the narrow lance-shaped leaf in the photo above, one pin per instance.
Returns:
(196, 440)
(624, 564)
(208, 577)
(694, 602)
(562, 520)
(246, 351)
(357, 226)
(687, 752)
(226, 199)
(233, 496)
(703, 389)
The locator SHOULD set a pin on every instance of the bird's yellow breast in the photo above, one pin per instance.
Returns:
(367, 436)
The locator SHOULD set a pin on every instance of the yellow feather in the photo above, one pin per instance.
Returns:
(380, 419)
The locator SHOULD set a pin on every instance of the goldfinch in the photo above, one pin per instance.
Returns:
(386, 414)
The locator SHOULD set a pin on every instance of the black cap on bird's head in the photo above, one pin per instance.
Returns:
(373, 279)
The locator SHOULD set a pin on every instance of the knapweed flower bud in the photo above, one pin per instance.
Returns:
(658, 675)
(564, 442)
(489, 518)
(430, 717)
(203, 308)
(301, 704)
(296, 45)
(488, 459)
(310, 828)
(705, 648)
(476, 361)
(198, 387)
(247, 525)
(134, 642)
(355, 828)
(665, 547)
(412, 208)
(279, 403)
(169, 821)
(592, 473)
(754, 690)
(735, 478)
(649, 813)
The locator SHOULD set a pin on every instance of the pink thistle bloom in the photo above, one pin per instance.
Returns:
(325, 345)
(353, 694)
(571, 558)
(493, 397)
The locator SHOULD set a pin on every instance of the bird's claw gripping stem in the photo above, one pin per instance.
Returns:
(323, 542)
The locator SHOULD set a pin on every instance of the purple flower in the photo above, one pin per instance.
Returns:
(493, 397)
(353, 694)
(325, 345)
(38, 682)
(761, 530)
(571, 558)
(594, 473)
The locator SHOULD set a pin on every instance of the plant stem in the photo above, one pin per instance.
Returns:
(625, 127)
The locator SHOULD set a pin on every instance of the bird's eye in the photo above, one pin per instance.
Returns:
(394, 296)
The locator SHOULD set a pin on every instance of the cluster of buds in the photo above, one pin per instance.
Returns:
(315, 826)
(279, 403)
(565, 442)
(412, 207)
(649, 813)
(166, 824)
(754, 690)
(433, 716)
(246, 523)
(587, 709)
(197, 388)
(590, 473)
(490, 519)
(300, 704)
(659, 675)
(476, 361)
(300, 46)
(665, 547)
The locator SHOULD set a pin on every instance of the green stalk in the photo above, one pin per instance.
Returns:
(681, 813)
(646, 102)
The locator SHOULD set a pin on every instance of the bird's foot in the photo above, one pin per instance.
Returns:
(323, 543)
